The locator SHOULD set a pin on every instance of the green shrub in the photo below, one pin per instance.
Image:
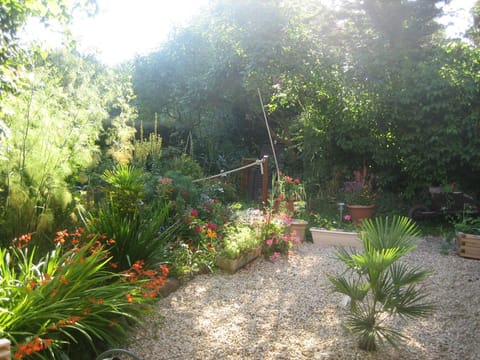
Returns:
(66, 298)
(140, 236)
(125, 188)
(238, 239)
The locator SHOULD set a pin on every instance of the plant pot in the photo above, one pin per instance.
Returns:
(299, 226)
(233, 265)
(468, 245)
(4, 349)
(360, 212)
(323, 237)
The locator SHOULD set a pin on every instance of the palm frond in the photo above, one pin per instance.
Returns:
(402, 274)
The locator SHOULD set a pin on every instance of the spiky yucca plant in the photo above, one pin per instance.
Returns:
(379, 286)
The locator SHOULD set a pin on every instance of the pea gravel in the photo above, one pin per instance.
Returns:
(286, 310)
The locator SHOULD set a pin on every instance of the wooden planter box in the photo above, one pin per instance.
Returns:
(468, 245)
(324, 237)
(233, 265)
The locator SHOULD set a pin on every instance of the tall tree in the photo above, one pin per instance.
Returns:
(14, 14)
(474, 32)
(55, 119)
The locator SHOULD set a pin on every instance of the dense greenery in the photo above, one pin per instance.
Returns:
(53, 126)
(68, 296)
(368, 84)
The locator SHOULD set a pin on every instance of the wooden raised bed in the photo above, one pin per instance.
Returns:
(468, 245)
(323, 237)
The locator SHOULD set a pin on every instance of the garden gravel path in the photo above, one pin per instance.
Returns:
(286, 310)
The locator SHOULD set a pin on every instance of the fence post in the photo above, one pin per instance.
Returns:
(4, 349)
(265, 181)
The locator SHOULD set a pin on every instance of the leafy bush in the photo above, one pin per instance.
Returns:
(238, 239)
(65, 298)
(125, 189)
(140, 236)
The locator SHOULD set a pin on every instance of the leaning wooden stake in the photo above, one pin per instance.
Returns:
(265, 180)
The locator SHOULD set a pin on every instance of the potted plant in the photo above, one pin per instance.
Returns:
(286, 192)
(241, 245)
(335, 233)
(468, 237)
(359, 196)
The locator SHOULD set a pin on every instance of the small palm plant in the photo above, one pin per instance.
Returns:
(379, 286)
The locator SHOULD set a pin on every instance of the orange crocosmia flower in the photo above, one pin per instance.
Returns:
(110, 242)
(72, 320)
(129, 298)
(164, 270)
(60, 239)
(138, 266)
(64, 280)
(211, 234)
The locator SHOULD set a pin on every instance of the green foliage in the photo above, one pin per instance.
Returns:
(14, 15)
(54, 121)
(468, 222)
(140, 236)
(125, 189)
(378, 285)
(64, 298)
(239, 238)
(147, 152)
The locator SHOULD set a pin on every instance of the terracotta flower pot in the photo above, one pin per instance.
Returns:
(360, 212)
(299, 226)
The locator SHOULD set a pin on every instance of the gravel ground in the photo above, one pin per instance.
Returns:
(286, 310)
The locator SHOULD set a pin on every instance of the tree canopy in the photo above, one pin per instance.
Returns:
(371, 82)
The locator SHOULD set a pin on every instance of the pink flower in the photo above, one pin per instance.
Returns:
(296, 181)
(269, 242)
(274, 256)
(347, 217)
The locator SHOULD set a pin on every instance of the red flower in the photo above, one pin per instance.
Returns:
(194, 213)
(296, 181)
(212, 226)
